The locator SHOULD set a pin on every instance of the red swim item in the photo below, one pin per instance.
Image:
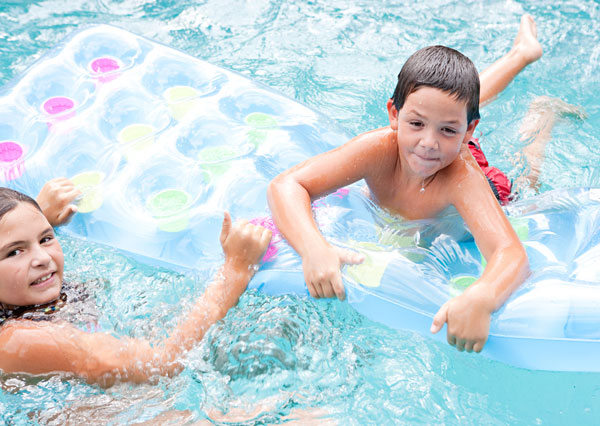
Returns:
(501, 185)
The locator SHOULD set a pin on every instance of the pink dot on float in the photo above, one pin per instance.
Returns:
(10, 151)
(58, 104)
(104, 65)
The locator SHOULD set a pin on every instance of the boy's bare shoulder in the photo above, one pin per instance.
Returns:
(380, 143)
(464, 178)
(463, 167)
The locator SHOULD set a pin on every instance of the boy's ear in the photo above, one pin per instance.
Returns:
(470, 130)
(392, 114)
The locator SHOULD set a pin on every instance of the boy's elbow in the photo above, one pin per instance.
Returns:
(521, 260)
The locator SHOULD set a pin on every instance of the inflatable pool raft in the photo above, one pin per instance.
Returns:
(161, 143)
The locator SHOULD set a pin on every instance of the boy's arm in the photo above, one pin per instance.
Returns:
(55, 199)
(468, 315)
(290, 195)
(45, 347)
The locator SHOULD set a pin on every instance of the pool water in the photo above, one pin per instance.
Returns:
(278, 354)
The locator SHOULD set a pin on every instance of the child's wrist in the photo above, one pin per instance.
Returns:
(483, 297)
(239, 267)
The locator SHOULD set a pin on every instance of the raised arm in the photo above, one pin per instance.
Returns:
(468, 315)
(39, 348)
(290, 195)
(56, 198)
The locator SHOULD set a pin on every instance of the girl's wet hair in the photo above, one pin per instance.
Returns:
(9, 199)
(442, 68)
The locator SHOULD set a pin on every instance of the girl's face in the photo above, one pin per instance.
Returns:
(31, 259)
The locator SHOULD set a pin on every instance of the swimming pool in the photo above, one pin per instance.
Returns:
(308, 353)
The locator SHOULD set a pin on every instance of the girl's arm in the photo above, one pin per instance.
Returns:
(39, 348)
(55, 199)
(290, 195)
(468, 315)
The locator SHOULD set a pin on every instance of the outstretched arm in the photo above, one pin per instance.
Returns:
(39, 348)
(290, 195)
(468, 315)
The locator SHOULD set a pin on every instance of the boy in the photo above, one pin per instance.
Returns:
(417, 167)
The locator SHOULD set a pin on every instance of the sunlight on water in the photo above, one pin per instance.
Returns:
(276, 356)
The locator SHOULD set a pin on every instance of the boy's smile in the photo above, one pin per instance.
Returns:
(430, 128)
(31, 259)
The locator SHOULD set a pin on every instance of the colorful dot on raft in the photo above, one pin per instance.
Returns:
(180, 93)
(521, 227)
(215, 160)
(181, 100)
(260, 120)
(104, 65)
(170, 208)
(168, 202)
(460, 284)
(10, 151)
(267, 222)
(58, 105)
(89, 185)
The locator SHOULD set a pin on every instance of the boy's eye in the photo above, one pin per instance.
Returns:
(415, 123)
(46, 239)
(449, 131)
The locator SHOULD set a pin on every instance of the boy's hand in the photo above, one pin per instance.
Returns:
(243, 243)
(468, 317)
(55, 200)
(322, 270)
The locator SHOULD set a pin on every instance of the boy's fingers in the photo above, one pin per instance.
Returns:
(439, 319)
(350, 257)
(226, 228)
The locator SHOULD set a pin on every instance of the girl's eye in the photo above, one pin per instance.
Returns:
(46, 239)
(14, 252)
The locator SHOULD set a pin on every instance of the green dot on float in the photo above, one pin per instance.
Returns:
(261, 120)
(136, 138)
(181, 100)
(257, 136)
(216, 159)
(88, 183)
(460, 284)
(171, 209)
(521, 227)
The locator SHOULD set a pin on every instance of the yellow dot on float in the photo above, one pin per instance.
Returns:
(91, 193)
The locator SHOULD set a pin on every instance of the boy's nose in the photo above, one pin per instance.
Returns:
(429, 140)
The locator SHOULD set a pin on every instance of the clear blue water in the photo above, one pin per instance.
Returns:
(341, 58)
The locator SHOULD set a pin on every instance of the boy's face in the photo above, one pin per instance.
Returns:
(31, 259)
(431, 126)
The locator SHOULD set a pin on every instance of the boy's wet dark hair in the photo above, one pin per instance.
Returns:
(442, 68)
(9, 199)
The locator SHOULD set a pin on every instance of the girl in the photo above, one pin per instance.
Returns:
(31, 286)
